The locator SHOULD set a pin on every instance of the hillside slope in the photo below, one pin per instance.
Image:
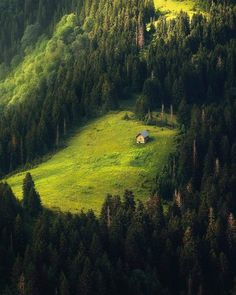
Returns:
(39, 67)
(172, 7)
(101, 158)
(85, 64)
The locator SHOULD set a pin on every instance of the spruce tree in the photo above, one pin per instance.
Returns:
(31, 199)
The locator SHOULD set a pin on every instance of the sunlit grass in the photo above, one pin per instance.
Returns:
(100, 158)
(38, 65)
(172, 7)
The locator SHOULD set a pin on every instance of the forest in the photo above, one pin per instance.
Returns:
(65, 62)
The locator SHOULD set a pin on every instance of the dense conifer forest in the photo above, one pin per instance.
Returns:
(64, 62)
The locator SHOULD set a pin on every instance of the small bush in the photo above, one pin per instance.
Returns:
(126, 117)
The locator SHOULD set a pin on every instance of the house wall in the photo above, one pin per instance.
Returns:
(140, 139)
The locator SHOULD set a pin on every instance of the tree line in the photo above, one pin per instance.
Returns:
(131, 248)
(85, 65)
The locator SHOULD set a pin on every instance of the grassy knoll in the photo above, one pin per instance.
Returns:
(172, 7)
(101, 157)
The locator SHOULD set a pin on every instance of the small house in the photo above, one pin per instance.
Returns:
(142, 137)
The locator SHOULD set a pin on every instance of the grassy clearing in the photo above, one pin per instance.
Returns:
(172, 7)
(100, 158)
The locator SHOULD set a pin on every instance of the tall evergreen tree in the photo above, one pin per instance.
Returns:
(31, 199)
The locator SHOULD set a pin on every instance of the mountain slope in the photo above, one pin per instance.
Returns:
(88, 61)
(101, 158)
(172, 7)
(40, 66)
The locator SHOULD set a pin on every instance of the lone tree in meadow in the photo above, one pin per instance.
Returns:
(31, 199)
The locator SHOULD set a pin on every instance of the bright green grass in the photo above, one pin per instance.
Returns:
(172, 7)
(39, 65)
(100, 158)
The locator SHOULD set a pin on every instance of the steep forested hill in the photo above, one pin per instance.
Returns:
(89, 56)
(84, 61)
(64, 62)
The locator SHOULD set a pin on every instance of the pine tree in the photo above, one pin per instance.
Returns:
(64, 286)
(9, 207)
(85, 279)
(31, 199)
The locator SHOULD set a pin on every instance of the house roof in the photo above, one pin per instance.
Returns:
(144, 133)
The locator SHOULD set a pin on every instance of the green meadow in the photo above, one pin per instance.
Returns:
(100, 158)
(172, 7)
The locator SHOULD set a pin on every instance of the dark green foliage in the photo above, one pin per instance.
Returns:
(31, 200)
(9, 207)
(100, 66)
(131, 249)
(182, 63)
